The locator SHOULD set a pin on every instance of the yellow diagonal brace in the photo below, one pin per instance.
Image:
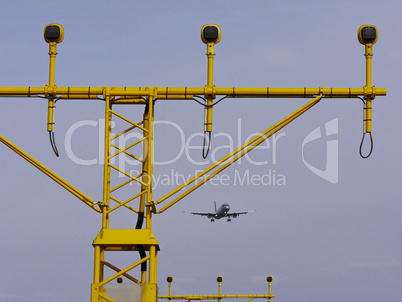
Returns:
(128, 175)
(123, 184)
(232, 157)
(124, 270)
(106, 298)
(126, 148)
(128, 121)
(125, 131)
(124, 203)
(121, 202)
(69, 187)
(116, 269)
(125, 152)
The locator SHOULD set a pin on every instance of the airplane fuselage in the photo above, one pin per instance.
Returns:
(222, 211)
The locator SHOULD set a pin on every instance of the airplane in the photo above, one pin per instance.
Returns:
(222, 211)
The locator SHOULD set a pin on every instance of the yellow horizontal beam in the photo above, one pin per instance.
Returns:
(214, 297)
(126, 237)
(131, 95)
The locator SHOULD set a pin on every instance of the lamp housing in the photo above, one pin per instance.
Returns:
(211, 33)
(367, 34)
(53, 33)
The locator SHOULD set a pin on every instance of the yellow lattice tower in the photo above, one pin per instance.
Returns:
(141, 276)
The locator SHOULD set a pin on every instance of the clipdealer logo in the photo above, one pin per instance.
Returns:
(330, 173)
(187, 149)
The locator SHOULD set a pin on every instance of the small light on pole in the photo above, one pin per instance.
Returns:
(53, 34)
(367, 34)
(219, 279)
(269, 280)
(169, 280)
(210, 35)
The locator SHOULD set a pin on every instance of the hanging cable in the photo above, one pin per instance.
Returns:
(205, 105)
(140, 247)
(207, 134)
(371, 145)
(364, 136)
(205, 153)
(51, 124)
(53, 143)
(220, 100)
(202, 98)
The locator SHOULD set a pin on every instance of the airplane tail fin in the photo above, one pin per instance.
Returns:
(215, 207)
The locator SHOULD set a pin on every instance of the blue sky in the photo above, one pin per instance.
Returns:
(321, 241)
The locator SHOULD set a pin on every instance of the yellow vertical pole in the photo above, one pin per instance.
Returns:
(99, 252)
(152, 265)
(97, 268)
(52, 73)
(369, 86)
(149, 168)
(98, 273)
(151, 288)
(269, 280)
(106, 166)
(149, 159)
(210, 67)
(53, 34)
(52, 62)
(209, 87)
(219, 279)
(145, 177)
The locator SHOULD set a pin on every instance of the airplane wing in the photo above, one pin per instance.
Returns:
(235, 214)
(201, 214)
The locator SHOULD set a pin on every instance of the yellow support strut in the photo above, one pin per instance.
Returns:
(65, 184)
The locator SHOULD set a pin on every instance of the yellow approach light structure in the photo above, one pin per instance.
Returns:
(140, 277)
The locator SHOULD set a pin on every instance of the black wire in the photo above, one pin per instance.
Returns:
(205, 105)
(51, 133)
(198, 96)
(371, 146)
(364, 135)
(53, 143)
(205, 151)
(141, 251)
(140, 247)
(217, 102)
(204, 155)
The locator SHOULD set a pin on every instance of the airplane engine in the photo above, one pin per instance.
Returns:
(209, 216)
(234, 215)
